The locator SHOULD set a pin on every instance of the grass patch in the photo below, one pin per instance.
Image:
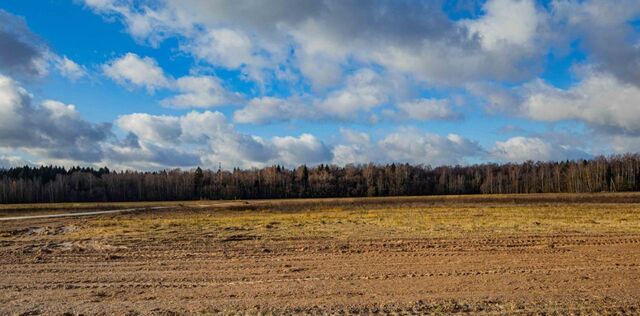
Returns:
(441, 221)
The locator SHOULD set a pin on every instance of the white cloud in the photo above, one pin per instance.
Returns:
(519, 149)
(325, 36)
(620, 144)
(496, 98)
(144, 155)
(356, 149)
(522, 149)
(320, 56)
(53, 129)
(507, 41)
(162, 129)
(363, 91)
(7, 161)
(355, 55)
(605, 34)
(599, 100)
(414, 146)
(322, 72)
(210, 137)
(357, 100)
(55, 132)
(305, 149)
(144, 22)
(200, 92)
(26, 56)
(23, 53)
(425, 109)
(133, 71)
(406, 145)
(70, 69)
(604, 103)
(231, 49)
(507, 23)
(350, 154)
(269, 109)
(205, 135)
(198, 127)
(225, 47)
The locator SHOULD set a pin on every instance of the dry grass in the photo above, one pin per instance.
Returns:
(441, 221)
(498, 199)
(361, 218)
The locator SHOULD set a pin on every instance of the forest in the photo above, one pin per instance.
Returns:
(28, 184)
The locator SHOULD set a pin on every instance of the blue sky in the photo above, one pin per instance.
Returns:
(175, 84)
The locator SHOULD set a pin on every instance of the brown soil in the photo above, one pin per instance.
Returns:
(46, 267)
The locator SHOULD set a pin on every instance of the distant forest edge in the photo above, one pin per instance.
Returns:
(617, 173)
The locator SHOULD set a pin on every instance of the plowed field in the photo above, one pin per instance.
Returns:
(401, 255)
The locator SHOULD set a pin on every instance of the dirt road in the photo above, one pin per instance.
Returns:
(47, 267)
(76, 214)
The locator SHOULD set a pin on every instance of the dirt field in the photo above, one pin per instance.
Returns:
(529, 254)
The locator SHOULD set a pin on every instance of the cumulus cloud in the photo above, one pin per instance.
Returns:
(605, 32)
(506, 24)
(601, 102)
(206, 138)
(424, 110)
(200, 92)
(506, 40)
(408, 145)
(131, 153)
(305, 149)
(363, 91)
(599, 99)
(519, 149)
(414, 146)
(56, 132)
(52, 129)
(215, 140)
(496, 98)
(321, 72)
(344, 61)
(327, 35)
(356, 149)
(232, 49)
(620, 143)
(9, 161)
(225, 47)
(270, 109)
(361, 95)
(69, 68)
(144, 22)
(162, 129)
(133, 71)
(22, 53)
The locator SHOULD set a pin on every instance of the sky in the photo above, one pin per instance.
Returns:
(161, 84)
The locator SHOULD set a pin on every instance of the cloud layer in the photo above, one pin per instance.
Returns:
(310, 82)
(51, 130)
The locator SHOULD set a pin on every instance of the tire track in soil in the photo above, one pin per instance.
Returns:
(303, 268)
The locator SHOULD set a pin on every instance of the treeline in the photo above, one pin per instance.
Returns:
(57, 184)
